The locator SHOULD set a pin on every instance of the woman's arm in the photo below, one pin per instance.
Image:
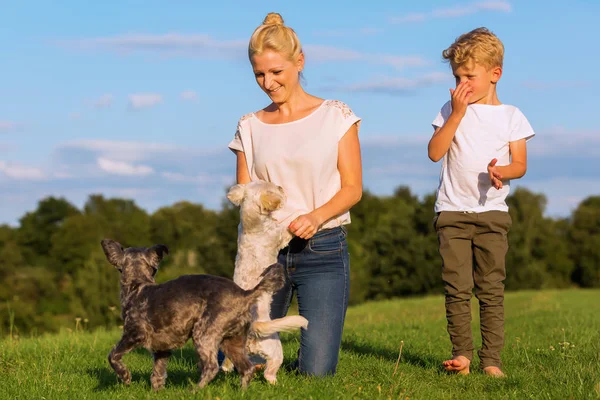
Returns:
(241, 170)
(350, 167)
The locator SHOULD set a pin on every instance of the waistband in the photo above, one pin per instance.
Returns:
(297, 244)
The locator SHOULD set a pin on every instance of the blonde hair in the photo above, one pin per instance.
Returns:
(274, 35)
(480, 46)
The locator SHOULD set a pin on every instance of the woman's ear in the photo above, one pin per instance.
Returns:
(300, 62)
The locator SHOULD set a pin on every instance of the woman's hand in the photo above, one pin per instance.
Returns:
(305, 226)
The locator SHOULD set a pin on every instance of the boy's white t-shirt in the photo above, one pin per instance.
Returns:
(483, 134)
(301, 156)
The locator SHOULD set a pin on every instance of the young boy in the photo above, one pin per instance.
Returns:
(483, 146)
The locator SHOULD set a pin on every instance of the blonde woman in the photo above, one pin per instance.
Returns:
(310, 147)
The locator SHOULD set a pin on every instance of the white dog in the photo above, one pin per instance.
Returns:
(259, 240)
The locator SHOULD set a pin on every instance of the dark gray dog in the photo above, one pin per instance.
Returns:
(213, 311)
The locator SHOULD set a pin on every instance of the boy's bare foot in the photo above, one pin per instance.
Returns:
(459, 365)
(494, 371)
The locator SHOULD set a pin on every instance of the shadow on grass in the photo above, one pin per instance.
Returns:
(428, 362)
(179, 375)
(349, 345)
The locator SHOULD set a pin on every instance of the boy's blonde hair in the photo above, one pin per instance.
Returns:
(274, 35)
(480, 46)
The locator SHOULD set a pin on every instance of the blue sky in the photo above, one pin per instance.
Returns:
(139, 99)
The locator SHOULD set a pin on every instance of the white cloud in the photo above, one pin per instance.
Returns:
(144, 100)
(502, 6)
(123, 168)
(562, 165)
(189, 95)
(207, 47)
(94, 158)
(347, 32)
(564, 194)
(393, 86)
(454, 12)
(412, 17)
(21, 172)
(322, 53)
(197, 45)
(181, 178)
(545, 85)
(563, 142)
(8, 126)
(319, 53)
(103, 101)
(113, 146)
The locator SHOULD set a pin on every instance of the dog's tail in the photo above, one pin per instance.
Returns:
(273, 279)
(285, 324)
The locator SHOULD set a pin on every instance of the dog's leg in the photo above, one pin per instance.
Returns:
(273, 351)
(269, 347)
(235, 349)
(126, 344)
(207, 353)
(159, 372)
(207, 336)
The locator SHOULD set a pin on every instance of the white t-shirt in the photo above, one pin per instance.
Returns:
(300, 156)
(483, 134)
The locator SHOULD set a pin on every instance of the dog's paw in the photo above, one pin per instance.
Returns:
(126, 378)
(272, 379)
(227, 365)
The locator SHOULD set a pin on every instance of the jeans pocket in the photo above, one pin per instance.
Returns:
(327, 242)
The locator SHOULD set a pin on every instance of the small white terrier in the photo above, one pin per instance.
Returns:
(259, 240)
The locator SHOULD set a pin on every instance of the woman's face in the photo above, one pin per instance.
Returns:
(276, 74)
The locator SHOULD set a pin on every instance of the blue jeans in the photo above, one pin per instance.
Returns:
(318, 270)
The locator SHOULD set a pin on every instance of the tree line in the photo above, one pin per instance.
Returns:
(54, 273)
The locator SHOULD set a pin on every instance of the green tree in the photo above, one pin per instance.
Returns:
(538, 253)
(585, 242)
(97, 289)
(37, 227)
(125, 221)
(11, 256)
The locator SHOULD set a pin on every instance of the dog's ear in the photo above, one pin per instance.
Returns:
(159, 250)
(113, 252)
(236, 194)
(270, 201)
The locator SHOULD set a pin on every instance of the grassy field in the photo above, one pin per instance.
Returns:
(552, 352)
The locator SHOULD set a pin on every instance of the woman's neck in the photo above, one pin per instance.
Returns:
(298, 102)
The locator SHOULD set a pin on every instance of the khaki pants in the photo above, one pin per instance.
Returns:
(473, 248)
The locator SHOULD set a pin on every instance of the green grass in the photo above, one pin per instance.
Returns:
(539, 364)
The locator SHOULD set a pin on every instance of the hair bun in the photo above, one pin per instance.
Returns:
(273, 19)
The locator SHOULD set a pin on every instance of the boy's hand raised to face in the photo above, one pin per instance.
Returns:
(460, 98)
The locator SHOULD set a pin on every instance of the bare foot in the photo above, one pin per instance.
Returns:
(494, 371)
(459, 365)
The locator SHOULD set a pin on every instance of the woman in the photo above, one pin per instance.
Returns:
(310, 147)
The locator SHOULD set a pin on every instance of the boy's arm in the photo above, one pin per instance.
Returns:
(517, 167)
(442, 136)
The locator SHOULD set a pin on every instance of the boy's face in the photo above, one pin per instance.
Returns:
(481, 80)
